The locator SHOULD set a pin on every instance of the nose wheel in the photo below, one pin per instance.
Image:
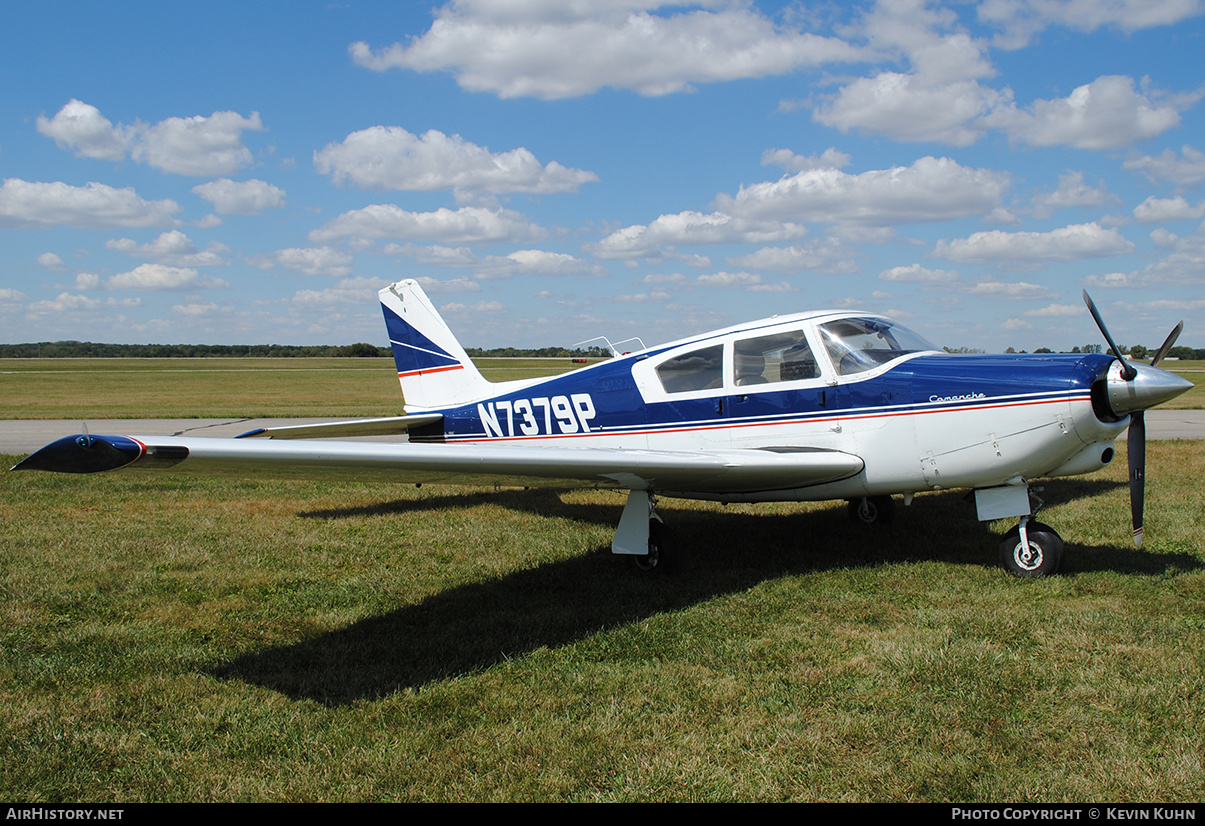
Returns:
(1036, 552)
(871, 510)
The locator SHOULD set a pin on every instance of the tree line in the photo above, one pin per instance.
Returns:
(93, 349)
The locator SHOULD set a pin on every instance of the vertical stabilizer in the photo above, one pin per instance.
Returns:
(432, 367)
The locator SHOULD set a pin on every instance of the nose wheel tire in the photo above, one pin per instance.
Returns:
(871, 510)
(1042, 557)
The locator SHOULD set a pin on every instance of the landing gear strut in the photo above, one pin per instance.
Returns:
(643, 537)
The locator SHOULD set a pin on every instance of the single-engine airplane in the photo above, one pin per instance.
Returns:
(805, 407)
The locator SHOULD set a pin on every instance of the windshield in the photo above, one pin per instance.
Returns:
(859, 344)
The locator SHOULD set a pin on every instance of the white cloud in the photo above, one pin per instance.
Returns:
(241, 197)
(389, 157)
(1186, 170)
(742, 280)
(1057, 311)
(916, 274)
(1072, 192)
(453, 285)
(198, 145)
(1021, 19)
(197, 309)
(8, 294)
(826, 255)
(788, 160)
(1155, 210)
(1021, 290)
(931, 189)
(163, 277)
(52, 261)
(1183, 265)
(81, 127)
(316, 261)
(558, 50)
(940, 99)
(36, 204)
(172, 247)
(668, 231)
(1071, 243)
(902, 107)
(467, 225)
(66, 303)
(1105, 114)
(537, 262)
(520, 262)
(350, 292)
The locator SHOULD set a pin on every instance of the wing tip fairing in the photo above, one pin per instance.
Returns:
(84, 454)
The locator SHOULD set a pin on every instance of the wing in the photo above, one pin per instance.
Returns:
(726, 471)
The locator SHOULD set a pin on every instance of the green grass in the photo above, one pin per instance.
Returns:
(225, 387)
(168, 639)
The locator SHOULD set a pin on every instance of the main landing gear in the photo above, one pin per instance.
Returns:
(643, 537)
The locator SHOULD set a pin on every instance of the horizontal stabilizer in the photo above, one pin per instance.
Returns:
(386, 426)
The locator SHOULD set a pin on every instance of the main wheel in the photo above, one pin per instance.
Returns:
(662, 554)
(1043, 556)
(871, 510)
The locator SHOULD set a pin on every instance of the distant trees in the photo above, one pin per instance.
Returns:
(91, 349)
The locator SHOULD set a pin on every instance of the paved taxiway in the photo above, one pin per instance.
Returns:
(27, 435)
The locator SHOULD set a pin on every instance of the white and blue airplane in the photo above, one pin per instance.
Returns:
(805, 407)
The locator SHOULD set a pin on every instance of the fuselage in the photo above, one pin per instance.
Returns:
(921, 419)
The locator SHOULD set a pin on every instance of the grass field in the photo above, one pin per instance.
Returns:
(164, 639)
(263, 387)
(167, 639)
(234, 387)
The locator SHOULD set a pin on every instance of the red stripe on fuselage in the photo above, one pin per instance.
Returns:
(778, 423)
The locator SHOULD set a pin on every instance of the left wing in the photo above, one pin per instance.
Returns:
(721, 471)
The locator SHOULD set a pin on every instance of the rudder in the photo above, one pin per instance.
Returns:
(432, 367)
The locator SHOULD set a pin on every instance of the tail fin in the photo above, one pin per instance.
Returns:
(432, 367)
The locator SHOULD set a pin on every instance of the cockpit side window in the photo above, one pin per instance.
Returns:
(696, 370)
(856, 345)
(774, 358)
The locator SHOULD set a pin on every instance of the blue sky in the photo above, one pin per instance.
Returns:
(553, 170)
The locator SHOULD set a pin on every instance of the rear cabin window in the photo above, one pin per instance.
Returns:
(773, 358)
(696, 370)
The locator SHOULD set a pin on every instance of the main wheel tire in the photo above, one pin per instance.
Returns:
(1042, 558)
(871, 510)
(662, 555)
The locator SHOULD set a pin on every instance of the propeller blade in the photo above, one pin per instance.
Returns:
(1127, 370)
(1167, 345)
(1136, 456)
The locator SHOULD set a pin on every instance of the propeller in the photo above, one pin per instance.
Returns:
(1136, 440)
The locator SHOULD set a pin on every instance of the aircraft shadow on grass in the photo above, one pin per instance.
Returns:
(472, 627)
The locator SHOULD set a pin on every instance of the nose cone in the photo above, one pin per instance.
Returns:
(1149, 388)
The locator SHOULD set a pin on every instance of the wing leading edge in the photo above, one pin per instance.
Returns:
(727, 471)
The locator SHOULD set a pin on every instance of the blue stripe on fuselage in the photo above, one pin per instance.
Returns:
(603, 399)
